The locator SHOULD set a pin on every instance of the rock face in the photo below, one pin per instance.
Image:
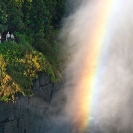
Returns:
(33, 115)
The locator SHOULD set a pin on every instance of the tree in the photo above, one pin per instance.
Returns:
(3, 16)
(14, 17)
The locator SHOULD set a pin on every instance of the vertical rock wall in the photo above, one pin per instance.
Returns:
(32, 115)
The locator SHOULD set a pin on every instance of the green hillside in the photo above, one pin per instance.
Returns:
(36, 49)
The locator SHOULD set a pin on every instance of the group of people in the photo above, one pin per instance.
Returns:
(8, 37)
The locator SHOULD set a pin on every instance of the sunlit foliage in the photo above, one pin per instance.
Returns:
(18, 67)
(35, 24)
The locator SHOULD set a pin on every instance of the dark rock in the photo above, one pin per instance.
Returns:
(33, 115)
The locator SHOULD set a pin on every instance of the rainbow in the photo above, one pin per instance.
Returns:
(90, 72)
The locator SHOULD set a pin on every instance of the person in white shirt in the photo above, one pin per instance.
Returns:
(8, 36)
(0, 37)
(12, 37)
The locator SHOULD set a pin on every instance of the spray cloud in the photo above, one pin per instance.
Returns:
(111, 107)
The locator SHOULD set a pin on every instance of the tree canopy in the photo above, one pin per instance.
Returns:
(35, 24)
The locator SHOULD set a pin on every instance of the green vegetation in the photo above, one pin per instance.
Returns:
(35, 25)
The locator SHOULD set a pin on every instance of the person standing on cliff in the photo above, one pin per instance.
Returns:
(12, 37)
(8, 36)
(0, 37)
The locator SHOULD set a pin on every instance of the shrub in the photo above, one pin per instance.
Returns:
(19, 65)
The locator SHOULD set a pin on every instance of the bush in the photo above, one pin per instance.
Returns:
(19, 65)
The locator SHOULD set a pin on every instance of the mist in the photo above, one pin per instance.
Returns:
(112, 106)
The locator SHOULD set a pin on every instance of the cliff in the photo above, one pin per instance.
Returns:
(33, 114)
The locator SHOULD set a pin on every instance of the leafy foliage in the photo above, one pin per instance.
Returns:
(18, 67)
(3, 17)
(35, 24)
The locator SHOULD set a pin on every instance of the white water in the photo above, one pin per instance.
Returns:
(113, 111)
